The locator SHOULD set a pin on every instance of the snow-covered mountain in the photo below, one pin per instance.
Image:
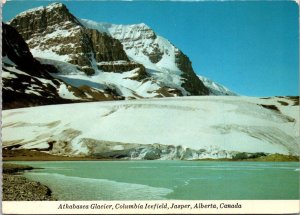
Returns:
(142, 45)
(204, 127)
(165, 62)
(215, 88)
(131, 61)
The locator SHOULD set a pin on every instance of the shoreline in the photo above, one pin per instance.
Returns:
(16, 187)
(30, 155)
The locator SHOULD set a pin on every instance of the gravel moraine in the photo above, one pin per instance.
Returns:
(18, 188)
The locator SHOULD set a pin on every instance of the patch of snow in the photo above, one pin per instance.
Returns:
(8, 88)
(118, 147)
(30, 91)
(6, 60)
(35, 86)
(46, 82)
(33, 10)
(118, 62)
(42, 145)
(79, 148)
(54, 6)
(14, 70)
(64, 92)
(8, 75)
(41, 8)
(49, 54)
(59, 33)
(63, 67)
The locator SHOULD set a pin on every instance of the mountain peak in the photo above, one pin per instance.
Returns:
(143, 24)
(43, 17)
(41, 9)
(123, 30)
(140, 25)
(55, 5)
(216, 88)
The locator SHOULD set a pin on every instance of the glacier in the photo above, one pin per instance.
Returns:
(167, 128)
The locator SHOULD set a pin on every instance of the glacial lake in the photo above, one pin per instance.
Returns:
(184, 180)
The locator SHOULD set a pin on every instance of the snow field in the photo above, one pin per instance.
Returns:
(219, 123)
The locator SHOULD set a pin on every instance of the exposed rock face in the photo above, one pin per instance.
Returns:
(16, 49)
(21, 73)
(105, 47)
(44, 20)
(168, 92)
(123, 66)
(191, 81)
(55, 32)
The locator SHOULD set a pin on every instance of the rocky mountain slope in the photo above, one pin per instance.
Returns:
(27, 82)
(131, 61)
(218, 127)
(215, 88)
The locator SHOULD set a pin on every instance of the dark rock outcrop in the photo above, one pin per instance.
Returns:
(155, 55)
(44, 20)
(15, 48)
(168, 92)
(191, 81)
(105, 47)
(124, 66)
(25, 72)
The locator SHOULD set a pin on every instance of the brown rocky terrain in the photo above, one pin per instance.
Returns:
(191, 82)
(33, 155)
(18, 188)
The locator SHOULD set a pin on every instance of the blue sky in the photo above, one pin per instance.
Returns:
(249, 46)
